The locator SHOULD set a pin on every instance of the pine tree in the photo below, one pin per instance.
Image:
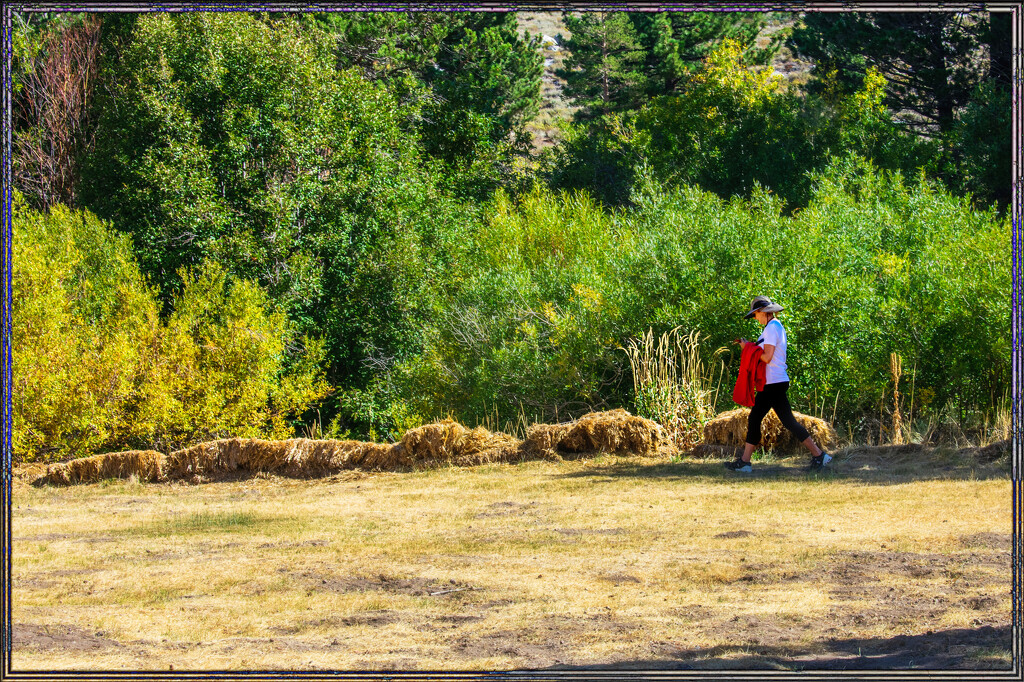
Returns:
(619, 60)
(675, 43)
(604, 72)
(474, 78)
(931, 60)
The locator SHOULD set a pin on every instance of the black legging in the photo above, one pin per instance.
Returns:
(773, 397)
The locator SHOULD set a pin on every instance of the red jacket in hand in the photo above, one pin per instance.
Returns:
(751, 376)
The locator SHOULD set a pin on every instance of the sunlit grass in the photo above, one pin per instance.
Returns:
(510, 566)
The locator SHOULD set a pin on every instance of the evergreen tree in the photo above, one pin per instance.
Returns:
(485, 86)
(676, 43)
(948, 78)
(604, 71)
(474, 78)
(619, 60)
(930, 60)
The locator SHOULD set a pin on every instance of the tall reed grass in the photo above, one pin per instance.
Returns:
(672, 385)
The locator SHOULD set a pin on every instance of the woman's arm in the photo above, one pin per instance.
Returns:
(766, 355)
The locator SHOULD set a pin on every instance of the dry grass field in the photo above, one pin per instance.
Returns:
(602, 563)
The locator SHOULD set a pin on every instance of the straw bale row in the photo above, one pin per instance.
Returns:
(145, 464)
(446, 443)
(297, 457)
(730, 428)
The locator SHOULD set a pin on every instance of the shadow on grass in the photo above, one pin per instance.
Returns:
(794, 468)
(984, 647)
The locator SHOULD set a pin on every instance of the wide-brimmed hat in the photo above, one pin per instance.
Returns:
(762, 304)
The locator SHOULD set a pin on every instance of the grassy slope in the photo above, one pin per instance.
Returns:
(619, 562)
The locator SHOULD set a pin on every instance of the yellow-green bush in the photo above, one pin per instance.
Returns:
(222, 369)
(85, 327)
(95, 368)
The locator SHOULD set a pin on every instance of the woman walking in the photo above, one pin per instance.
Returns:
(776, 383)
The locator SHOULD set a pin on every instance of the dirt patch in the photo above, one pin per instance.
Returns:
(374, 618)
(574, 532)
(506, 509)
(46, 579)
(980, 603)
(620, 578)
(60, 637)
(46, 537)
(419, 587)
(547, 643)
(458, 619)
(304, 543)
(268, 643)
(734, 534)
(863, 579)
(1000, 541)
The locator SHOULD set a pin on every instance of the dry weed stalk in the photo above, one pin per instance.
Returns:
(896, 370)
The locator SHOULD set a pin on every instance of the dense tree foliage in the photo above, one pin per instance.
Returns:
(930, 59)
(603, 71)
(229, 138)
(617, 60)
(729, 128)
(873, 265)
(941, 68)
(237, 223)
(475, 78)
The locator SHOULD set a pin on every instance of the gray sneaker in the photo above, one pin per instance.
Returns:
(818, 463)
(739, 466)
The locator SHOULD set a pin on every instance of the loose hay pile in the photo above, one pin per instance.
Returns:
(449, 442)
(615, 431)
(730, 429)
(444, 443)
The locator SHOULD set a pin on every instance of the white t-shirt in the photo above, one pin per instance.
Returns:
(775, 335)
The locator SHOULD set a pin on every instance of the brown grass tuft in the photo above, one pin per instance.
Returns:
(879, 455)
(994, 451)
(988, 453)
(730, 428)
(145, 464)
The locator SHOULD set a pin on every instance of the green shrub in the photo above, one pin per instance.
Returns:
(874, 265)
(96, 369)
